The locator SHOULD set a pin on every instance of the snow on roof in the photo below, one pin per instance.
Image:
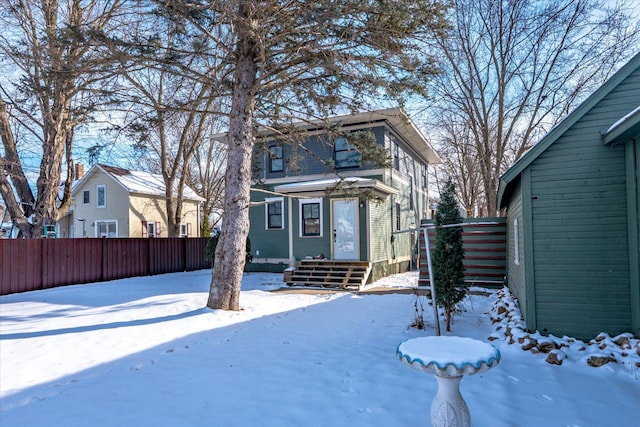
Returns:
(623, 119)
(142, 182)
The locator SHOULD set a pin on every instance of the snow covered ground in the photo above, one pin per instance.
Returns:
(146, 352)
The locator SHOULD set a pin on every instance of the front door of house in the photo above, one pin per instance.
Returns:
(345, 229)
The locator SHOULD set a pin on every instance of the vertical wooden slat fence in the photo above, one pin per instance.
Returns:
(485, 251)
(31, 264)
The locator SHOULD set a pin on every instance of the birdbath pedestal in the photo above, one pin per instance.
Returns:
(449, 359)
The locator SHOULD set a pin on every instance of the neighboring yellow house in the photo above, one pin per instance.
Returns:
(109, 201)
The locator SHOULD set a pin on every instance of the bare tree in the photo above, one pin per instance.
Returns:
(512, 69)
(55, 75)
(207, 178)
(170, 120)
(301, 60)
(172, 101)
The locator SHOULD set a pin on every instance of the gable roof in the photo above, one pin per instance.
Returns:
(512, 175)
(135, 182)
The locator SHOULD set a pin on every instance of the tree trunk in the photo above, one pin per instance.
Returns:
(10, 167)
(224, 292)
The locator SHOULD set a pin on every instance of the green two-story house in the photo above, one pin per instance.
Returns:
(320, 199)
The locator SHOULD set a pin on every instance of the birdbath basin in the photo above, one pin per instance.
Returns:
(449, 359)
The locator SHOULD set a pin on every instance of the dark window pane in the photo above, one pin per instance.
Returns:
(311, 219)
(311, 227)
(274, 215)
(346, 155)
(276, 163)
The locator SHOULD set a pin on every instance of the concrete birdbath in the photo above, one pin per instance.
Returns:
(449, 359)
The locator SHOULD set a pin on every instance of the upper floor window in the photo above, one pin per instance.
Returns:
(423, 172)
(396, 156)
(101, 197)
(398, 222)
(276, 162)
(411, 204)
(345, 154)
(274, 217)
(311, 218)
(86, 197)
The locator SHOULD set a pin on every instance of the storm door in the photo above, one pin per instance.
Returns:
(345, 229)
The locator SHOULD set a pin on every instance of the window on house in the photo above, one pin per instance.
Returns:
(150, 229)
(311, 217)
(185, 230)
(86, 197)
(411, 204)
(423, 173)
(396, 156)
(107, 228)
(516, 242)
(101, 198)
(276, 162)
(274, 219)
(346, 154)
(398, 224)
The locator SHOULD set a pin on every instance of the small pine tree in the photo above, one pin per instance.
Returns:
(448, 255)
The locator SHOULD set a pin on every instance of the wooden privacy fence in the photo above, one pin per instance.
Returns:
(485, 251)
(30, 264)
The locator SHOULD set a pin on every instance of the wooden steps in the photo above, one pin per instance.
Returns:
(330, 274)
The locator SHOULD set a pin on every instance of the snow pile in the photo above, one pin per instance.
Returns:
(623, 349)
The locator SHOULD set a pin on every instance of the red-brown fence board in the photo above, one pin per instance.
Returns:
(31, 264)
(485, 245)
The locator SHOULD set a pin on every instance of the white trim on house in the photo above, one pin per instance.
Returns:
(301, 212)
(104, 196)
(378, 187)
(97, 223)
(269, 201)
(319, 176)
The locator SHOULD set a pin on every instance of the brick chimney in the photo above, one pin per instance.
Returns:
(79, 173)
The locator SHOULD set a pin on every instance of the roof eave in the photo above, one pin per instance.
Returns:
(625, 130)
(562, 127)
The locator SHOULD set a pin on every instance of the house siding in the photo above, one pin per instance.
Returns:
(380, 215)
(116, 208)
(580, 225)
(146, 208)
(515, 271)
(316, 158)
(274, 243)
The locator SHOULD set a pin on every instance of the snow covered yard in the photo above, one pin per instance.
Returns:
(145, 351)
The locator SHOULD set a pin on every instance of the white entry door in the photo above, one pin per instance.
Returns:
(345, 229)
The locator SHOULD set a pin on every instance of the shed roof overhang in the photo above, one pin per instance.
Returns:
(377, 188)
(625, 129)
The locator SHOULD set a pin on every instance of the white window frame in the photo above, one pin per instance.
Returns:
(86, 195)
(301, 217)
(516, 242)
(109, 221)
(270, 201)
(104, 192)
